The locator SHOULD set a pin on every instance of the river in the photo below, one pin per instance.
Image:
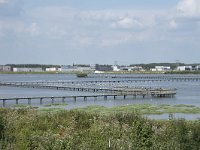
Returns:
(187, 90)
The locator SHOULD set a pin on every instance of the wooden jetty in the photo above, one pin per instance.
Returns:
(150, 77)
(117, 92)
(91, 86)
(85, 97)
(81, 82)
(121, 90)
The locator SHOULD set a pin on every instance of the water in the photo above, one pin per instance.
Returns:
(187, 91)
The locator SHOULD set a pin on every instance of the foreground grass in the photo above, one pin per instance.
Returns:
(144, 109)
(22, 129)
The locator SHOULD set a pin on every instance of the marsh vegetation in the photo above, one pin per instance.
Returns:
(22, 129)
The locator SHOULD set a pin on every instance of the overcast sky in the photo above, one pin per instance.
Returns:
(99, 31)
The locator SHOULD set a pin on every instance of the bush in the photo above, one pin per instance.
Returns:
(28, 129)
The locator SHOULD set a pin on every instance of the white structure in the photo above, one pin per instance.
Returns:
(161, 68)
(184, 68)
(76, 69)
(27, 69)
(96, 71)
(198, 67)
(5, 68)
(115, 68)
(134, 68)
(53, 69)
(137, 68)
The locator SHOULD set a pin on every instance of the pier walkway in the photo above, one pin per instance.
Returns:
(94, 87)
(116, 92)
(142, 78)
(160, 92)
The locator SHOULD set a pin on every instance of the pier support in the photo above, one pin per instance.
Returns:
(124, 96)
(29, 101)
(4, 103)
(85, 98)
(41, 100)
(63, 99)
(74, 98)
(17, 101)
(52, 100)
(95, 98)
(115, 97)
(105, 97)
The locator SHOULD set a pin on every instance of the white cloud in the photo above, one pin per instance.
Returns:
(97, 28)
(11, 25)
(173, 24)
(3, 1)
(126, 23)
(189, 7)
(33, 29)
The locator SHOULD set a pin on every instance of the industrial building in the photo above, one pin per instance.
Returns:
(4, 68)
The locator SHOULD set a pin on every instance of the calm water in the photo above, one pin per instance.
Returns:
(187, 91)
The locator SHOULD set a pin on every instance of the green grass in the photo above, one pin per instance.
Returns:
(55, 104)
(59, 129)
(183, 105)
(24, 106)
(145, 109)
(50, 110)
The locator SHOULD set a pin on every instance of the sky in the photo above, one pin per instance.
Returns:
(99, 31)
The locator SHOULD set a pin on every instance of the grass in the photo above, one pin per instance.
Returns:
(144, 109)
(24, 106)
(24, 129)
(49, 110)
(55, 104)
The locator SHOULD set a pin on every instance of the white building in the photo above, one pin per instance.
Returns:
(198, 67)
(53, 69)
(115, 68)
(161, 68)
(137, 68)
(134, 68)
(5, 68)
(184, 68)
(27, 69)
(76, 69)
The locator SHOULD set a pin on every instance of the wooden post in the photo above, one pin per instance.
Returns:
(105, 97)
(17, 101)
(74, 98)
(63, 99)
(85, 98)
(114, 97)
(4, 103)
(41, 100)
(29, 101)
(52, 100)
(95, 98)
(124, 96)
